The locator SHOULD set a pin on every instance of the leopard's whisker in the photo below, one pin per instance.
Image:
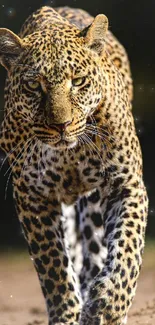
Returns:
(100, 135)
(40, 175)
(95, 124)
(9, 176)
(18, 156)
(7, 184)
(95, 148)
(27, 160)
(9, 153)
(40, 164)
(86, 142)
(100, 129)
(89, 144)
(107, 143)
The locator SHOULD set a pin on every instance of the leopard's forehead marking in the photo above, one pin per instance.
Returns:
(49, 48)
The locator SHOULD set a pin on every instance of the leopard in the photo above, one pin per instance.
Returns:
(76, 165)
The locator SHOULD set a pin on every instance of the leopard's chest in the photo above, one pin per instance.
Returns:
(65, 176)
(79, 179)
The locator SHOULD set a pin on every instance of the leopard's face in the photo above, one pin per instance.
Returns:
(56, 85)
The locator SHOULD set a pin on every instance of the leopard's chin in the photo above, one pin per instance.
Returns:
(62, 144)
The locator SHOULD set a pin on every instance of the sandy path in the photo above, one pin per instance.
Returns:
(21, 301)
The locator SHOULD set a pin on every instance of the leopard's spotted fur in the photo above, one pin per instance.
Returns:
(70, 138)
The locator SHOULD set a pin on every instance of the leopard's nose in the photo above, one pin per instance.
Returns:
(62, 126)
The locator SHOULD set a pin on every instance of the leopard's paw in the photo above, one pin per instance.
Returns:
(98, 312)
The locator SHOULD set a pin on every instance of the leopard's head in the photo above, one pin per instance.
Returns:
(56, 80)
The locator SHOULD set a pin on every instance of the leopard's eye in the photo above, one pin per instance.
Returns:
(32, 85)
(77, 82)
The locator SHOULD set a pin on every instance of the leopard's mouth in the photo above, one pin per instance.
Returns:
(56, 139)
(59, 144)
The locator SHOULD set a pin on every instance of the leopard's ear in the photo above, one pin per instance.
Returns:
(10, 47)
(95, 33)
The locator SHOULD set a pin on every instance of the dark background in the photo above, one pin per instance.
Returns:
(133, 23)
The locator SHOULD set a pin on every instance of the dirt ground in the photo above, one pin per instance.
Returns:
(21, 301)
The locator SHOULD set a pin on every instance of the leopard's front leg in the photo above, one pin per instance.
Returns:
(43, 229)
(94, 250)
(112, 291)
